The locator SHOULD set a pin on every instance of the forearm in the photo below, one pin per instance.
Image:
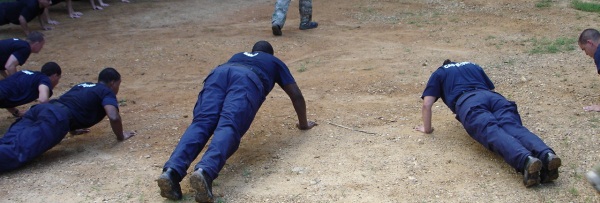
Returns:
(23, 24)
(117, 128)
(300, 108)
(13, 111)
(10, 70)
(41, 19)
(426, 114)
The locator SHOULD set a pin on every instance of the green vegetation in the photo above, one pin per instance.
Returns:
(585, 6)
(547, 46)
(543, 3)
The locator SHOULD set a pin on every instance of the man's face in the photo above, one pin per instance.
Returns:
(114, 86)
(36, 47)
(54, 79)
(589, 48)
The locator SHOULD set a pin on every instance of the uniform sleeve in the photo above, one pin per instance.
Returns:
(285, 76)
(109, 98)
(46, 81)
(434, 86)
(597, 60)
(22, 52)
(31, 10)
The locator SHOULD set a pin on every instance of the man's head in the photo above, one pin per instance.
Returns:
(447, 61)
(588, 41)
(36, 41)
(263, 46)
(111, 78)
(53, 71)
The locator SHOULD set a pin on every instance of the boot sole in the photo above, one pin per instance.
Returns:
(553, 165)
(533, 174)
(198, 183)
(166, 188)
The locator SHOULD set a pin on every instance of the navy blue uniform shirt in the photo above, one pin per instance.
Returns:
(271, 69)
(450, 81)
(86, 103)
(10, 12)
(597, 59)
(17, 47)
(31, 10)
(22, 87)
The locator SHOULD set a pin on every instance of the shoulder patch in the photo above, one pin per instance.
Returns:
(248, 54)
(87, 85)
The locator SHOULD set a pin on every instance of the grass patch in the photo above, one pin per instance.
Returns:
(543, 3)
(574, 191)
(585, 6)
(547, 46)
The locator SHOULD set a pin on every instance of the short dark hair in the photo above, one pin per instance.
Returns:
(35, 36)
(589, 34)
(51, 68)
(263, 46)
(108, 75)
(447, 61)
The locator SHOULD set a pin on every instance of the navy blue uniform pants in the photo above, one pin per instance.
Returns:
(40, 129)
(226, 107)
(495, 123)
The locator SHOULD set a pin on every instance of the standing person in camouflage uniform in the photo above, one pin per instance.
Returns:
(281, 8)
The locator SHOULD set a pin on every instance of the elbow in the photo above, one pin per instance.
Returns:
(297, 97)
(114, 118)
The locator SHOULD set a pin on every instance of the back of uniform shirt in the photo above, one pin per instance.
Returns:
(86, 103)
(450, 81)
(31, 9)
(22, 88)
(17, 47)
(272, 69)
(10, 12)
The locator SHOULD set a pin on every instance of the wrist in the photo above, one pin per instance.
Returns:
(15, 113)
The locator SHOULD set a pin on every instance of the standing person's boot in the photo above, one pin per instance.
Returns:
(202, 184)
(276, 29)
(306, 15)
(309, 25)
(168, 182)
(531, 173)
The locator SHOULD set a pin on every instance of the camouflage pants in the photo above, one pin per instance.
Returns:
(281, 8)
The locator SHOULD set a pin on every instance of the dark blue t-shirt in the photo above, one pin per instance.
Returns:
(10, 12)
(31, 10)
(271, 69)
(86, 103)
(17, 47)
(451, 80)
(22, 87)
(597, 59)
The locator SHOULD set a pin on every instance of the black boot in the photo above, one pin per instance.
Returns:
(202, 183)
(531, 173)
(309, 25)
(550, 169)
(168, 182)
(276, 29)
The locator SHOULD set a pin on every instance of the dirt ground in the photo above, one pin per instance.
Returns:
(361, 71)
